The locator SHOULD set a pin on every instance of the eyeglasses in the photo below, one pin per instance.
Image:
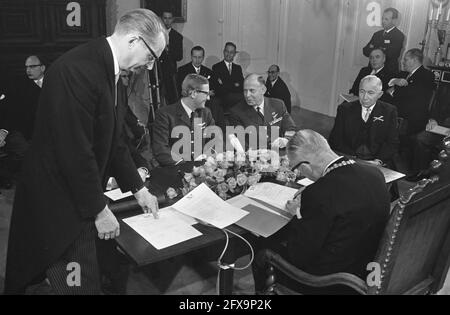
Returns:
(299, 164)
(204, 92)
(32, 66)
(155, 57)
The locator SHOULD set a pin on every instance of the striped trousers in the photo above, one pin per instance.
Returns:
(76, 272)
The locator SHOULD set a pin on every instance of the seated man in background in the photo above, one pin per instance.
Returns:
(260, 111)
(412, 92)
(427, 142)
(343, 214)
(377, 67)
(19, 114)
(367, 128)
(195, 91)
(276, 88)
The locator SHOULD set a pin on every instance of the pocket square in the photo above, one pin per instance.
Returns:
(381, 119)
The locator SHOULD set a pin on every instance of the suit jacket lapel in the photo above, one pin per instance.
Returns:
(182, 115)
(268, 110)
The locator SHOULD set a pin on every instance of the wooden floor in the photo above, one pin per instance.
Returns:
(181, 276)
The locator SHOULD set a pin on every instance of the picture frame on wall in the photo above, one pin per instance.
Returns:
(178, 7)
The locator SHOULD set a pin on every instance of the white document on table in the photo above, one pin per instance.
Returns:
(439, 130)
(203, 204)
(305, 182)
(117, 194)
(169, 229)
(273, 194)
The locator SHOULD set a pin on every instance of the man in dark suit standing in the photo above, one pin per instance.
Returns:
(264, 113)
(412, 92)
(228, 79)
(17, 119)
(59, 207)
(189, 114)
(367, 128)
(338, 221)
(276, 88)
(390, 39)
(195, 66)
(377, 67)
(169, 58)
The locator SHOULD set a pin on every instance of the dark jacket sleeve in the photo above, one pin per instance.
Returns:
(337, 135)
(307, 236)
(367, 49)
(161, 139)
(355, 88)
(390, 146)
(72, 127)
(176, 49)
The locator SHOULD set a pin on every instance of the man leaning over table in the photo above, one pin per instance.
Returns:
(343, 214)
(59, 208)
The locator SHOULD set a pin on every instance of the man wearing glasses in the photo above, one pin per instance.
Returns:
(17, 119)
(277, 88)
(343, 214)
(59, 207)
(190, 112)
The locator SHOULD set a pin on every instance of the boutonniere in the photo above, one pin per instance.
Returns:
(381, 119)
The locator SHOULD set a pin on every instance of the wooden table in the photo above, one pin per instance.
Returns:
(142, 253)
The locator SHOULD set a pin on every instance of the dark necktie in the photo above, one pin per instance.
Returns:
(193, 115)
(261, 115)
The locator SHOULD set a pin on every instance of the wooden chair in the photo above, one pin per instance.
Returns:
(414, 252)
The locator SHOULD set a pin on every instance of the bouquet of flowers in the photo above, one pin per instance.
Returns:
(229, 174)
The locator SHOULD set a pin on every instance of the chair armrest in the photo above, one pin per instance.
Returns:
(275, 260)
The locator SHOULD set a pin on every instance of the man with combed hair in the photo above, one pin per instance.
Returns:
(188, 111)
(343, 214)
(260, 111)
(367, 128)
(59, 207)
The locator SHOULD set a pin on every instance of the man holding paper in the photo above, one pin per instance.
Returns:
(343, 213)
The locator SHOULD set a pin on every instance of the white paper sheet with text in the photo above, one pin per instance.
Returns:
(273, 194)
(203, 204)
(169, 229)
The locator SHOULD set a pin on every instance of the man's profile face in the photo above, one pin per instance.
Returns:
(229, 53)
(142, 53)
(34, 68)
(409, 63)
(202, 95)
(273, 73)
(369, 93)
(197, 57)
(254, 92)
(167, 18)
(388, 20)
(377, 59)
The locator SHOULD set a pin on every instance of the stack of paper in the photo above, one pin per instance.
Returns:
(273, 194)
(262, 220)
(203, 204)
